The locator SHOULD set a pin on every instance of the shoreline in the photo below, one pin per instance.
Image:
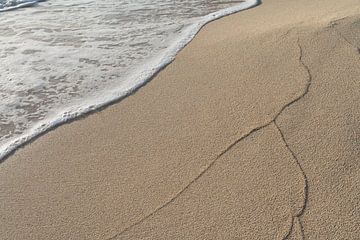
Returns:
(140, 77)
(262, 144)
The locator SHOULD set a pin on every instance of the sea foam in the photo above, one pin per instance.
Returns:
(7, 5)
(67, 60)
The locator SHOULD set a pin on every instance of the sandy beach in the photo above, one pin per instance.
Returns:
(253, 132)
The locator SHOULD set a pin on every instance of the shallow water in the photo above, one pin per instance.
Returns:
(61, 58)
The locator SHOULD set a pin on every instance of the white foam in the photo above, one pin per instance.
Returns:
(136, 79)
(8, 5)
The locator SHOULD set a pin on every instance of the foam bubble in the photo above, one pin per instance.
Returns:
(75, 57)
(7, 5)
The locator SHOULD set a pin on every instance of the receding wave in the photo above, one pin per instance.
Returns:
(60, 62)
(7, 5)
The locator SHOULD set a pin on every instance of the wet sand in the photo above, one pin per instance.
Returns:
(251, 133)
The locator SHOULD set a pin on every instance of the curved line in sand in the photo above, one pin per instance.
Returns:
(297, 215)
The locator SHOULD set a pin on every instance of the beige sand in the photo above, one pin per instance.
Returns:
(253, 132)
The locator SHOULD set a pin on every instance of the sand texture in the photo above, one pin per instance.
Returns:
(253, 132)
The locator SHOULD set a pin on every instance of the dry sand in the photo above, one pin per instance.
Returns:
(253, 132)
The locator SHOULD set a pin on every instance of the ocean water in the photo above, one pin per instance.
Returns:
(63, 58)
(6, 5)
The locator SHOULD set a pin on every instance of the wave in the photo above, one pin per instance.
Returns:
(8, 5)
(139, 79)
